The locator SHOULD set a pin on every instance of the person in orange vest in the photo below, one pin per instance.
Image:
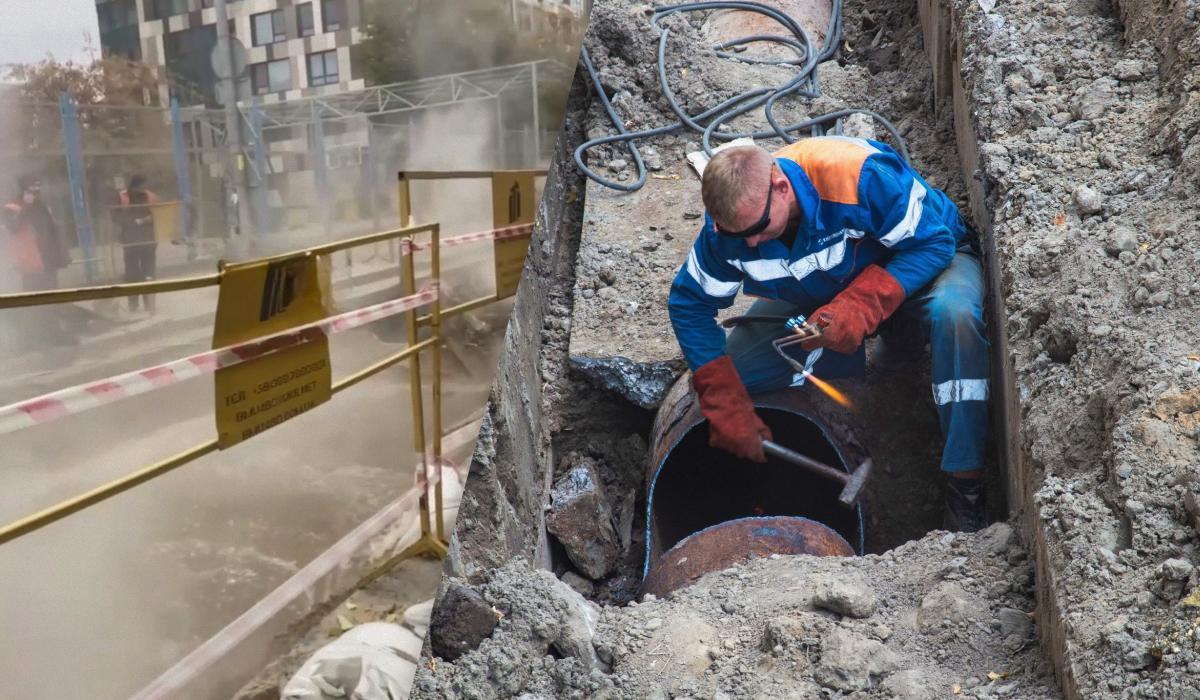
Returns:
(33, 244)
(136, 222)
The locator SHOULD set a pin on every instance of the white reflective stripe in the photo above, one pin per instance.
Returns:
(908, 225)
(960, 390)
(711, 285)
(826, 259)
(763, 270)
(778, 268)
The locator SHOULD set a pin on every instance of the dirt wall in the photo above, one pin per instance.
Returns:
(1084, 122)
(502, 516)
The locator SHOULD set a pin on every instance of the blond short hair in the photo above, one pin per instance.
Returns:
(734, 177)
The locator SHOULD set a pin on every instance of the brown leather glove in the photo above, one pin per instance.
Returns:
(856, 311)
(733, 425)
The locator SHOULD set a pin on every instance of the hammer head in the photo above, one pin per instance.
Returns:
(854, 484)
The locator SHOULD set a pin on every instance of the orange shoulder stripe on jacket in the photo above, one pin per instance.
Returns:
(832, 165)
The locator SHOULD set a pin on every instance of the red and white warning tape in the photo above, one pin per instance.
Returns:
(494, 234)
(84, 397)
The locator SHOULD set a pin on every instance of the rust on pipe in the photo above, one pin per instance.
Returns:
(737, 541)
(692, 488)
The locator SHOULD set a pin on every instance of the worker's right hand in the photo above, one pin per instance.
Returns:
(733, 425)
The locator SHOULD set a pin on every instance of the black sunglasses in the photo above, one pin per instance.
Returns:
(763, 221)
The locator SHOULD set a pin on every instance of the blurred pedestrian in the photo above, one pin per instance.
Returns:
(134, 217)
(34, 245)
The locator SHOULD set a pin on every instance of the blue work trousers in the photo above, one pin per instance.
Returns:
(950, 309)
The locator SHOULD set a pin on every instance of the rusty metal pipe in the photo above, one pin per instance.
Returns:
(695, 494)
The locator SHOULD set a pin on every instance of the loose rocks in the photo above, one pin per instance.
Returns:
(852, 662)
(852, 598)
(1090, 201)
(581, 519)
(948, 604)
(461, 620)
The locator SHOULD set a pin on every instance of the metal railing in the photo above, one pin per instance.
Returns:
(428, 492)
(428, 543)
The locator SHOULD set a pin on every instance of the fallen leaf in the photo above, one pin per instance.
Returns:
(993, 676)
(351, 606)
(956, 689)
(344, 622)
(1060, 219)
(665, 177)
(390, 618)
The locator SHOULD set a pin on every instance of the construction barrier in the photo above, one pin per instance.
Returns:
(272, 335)
(84, 397)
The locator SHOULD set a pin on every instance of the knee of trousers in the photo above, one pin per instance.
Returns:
(955, 313)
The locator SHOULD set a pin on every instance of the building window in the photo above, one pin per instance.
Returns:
(160, 9)
(117, 14)
(333, 15)
(267, 28)
(322, 68)
(211, 3)
(271, 76)
(304, 19)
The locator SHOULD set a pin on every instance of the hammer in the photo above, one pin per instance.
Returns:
(852, 483)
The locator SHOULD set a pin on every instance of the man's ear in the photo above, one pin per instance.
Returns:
(779, 181)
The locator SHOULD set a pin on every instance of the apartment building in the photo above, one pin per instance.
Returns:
(290, 48)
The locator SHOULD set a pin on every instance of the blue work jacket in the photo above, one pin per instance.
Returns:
(860, 204)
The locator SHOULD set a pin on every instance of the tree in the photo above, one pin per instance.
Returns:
(123, 128)
(102, 91)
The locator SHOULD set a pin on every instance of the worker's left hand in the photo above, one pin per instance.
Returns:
(856, 312)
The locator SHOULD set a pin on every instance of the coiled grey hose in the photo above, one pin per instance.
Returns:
(804, 84)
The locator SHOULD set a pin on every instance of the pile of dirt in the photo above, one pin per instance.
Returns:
(948, 615)
(1089, 144)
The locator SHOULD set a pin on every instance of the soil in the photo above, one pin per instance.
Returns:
(1088, 136)
(1086, 125)
(946, 616)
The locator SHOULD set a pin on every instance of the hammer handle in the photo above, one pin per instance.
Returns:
(777, 450)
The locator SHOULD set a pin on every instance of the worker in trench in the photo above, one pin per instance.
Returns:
(844, 232)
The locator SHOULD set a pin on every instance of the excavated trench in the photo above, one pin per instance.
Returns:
(583, 419)
(1024, 113)
(692, 487)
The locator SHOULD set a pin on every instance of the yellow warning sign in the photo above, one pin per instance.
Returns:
(258, 299)
(512, 205)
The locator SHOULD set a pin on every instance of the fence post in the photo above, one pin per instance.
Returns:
(537, 120)
(321, 173)
(435, 329)
(72, 139)
(262, 219)
(183, 174)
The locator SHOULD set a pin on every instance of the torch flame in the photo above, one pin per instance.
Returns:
(829, 390)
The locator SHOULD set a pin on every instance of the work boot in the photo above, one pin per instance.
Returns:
(966, 505)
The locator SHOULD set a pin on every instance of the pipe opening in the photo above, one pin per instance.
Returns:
(698, 486)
